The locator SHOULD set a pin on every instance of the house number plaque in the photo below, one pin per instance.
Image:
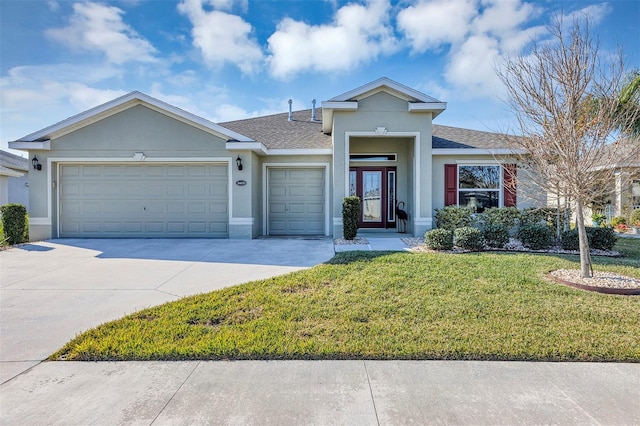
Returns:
(241, 182)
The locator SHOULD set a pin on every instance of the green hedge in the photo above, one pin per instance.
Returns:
(14, 223)
(495, 235)
(453, 217)
(350, 215)
(535, 236)
(468, 238)
(598, 238)
(439, 239)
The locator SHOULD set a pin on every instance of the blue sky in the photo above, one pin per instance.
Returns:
(232, 59)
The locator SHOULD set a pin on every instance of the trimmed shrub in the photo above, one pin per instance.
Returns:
(452, 217)
(570, 240)
(535, 236)
(439, 239)
(546, 215)
(495, 235)
(14, 222)
(468, 238)
(598, 238)
(618, 220)
(350, 215)
(602, 238)
(506, 216)
(634, 219)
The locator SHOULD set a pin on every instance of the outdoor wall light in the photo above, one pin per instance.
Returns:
(239, 163)
(36, 163)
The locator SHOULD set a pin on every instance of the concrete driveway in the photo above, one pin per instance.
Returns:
(51, 291)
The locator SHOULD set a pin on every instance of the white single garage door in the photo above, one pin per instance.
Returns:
(143, 200)
(296, 201)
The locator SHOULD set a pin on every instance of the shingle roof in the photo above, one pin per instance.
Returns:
(12, 161)
(277, 132)
(455, 137)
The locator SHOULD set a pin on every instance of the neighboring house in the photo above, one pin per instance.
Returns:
(625, 189)
(14, 183)
(138, 167)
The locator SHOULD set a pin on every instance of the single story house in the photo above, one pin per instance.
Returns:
(139, 167)
(14, 184)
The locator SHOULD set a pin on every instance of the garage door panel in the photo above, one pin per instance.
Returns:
(180, 200)
(296, 204)
(219, 208)
(297, 208)
(197, 190)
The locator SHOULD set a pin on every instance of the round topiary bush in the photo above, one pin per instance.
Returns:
(495, 235)
(468, 238)
(439, 239)
(535, 236)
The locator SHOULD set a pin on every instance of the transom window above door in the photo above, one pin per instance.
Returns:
(373, 157)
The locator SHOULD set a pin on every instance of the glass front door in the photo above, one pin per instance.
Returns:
(376, 187)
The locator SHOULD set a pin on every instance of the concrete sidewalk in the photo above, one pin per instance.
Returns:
(323, 393)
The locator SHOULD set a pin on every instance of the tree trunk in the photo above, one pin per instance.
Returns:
(585, 256)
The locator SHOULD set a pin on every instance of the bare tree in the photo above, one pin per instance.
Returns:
(566, 101)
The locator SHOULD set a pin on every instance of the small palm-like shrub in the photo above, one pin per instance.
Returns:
(495, 235)
(439, 239)
(535, 236)
(468, 238)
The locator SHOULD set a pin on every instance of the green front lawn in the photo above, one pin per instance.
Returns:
(378, 305)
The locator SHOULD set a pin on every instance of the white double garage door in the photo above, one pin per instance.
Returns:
(179, 200)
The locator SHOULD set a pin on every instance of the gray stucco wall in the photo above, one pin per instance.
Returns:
(383, 110)
(18, 190)
(118, 138)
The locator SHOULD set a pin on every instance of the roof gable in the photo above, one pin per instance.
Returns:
(387, 85)
(123, 103)
(417, 102)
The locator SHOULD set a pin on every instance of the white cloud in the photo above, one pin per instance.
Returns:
(222, 37)
(97, 27)
(33, 97)
(477, 33)
(53, 5)
(595, 13)
(358, 34)
(471, 67)
(430, 24)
